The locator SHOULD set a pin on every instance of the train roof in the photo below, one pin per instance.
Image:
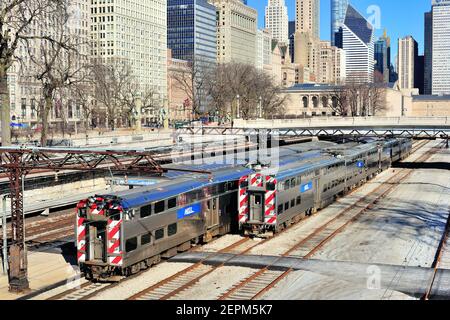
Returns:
(174, 187)
(289, 169)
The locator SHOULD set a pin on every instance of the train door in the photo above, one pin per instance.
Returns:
(256, 207)
(212, 213)
(97, 241)
(317, 192)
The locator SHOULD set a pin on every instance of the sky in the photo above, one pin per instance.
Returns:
(399, 17)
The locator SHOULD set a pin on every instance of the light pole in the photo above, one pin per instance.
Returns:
(260, 107)
(5, 239)
(238, 107)
(138, 111)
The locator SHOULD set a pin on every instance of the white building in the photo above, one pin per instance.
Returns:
(236, 32)
(407, 55)
(134, 31)
(441, 47)
(263, 49)
(277, 20)
(358, 43)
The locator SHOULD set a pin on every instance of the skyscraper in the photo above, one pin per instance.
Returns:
(191, 30)
(236, 31)
(358, 42)
(133, 31)
(407, 60)
(307, 16)
(292, 40)
(338, 10)
(428, 67)
(441, 47)
(277, 20)
(383, 57)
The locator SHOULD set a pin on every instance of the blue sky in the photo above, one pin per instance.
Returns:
(399, 17)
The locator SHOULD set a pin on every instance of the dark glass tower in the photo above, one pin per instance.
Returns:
(428, 59)
(338, 10)
(191, 30)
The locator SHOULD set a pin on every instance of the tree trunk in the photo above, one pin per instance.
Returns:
(44, 118)
(5, 110)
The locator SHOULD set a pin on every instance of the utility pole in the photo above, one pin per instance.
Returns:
(138, 107)
(260, 108)
(166, 114)
(5, 237)
(238, 107)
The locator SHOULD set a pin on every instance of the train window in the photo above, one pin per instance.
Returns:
(280, 209)
(292, 182)
(287, 185)
(146, 239)
(244, 184)
(258, 199)
(159, 234)
(172, 230)
(270, 186)
(299, 200)
(172, 203)
(146, 211)
(286, 206)
(131, 244)
(159, 207)
(292, 203)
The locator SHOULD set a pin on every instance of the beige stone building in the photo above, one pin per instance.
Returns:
(332, 64)
(407, 55)
(236, 32)
(310, 100)
(179, 104)
(307, 17)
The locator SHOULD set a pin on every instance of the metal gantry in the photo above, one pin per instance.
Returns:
(17, 162)
(423, 132)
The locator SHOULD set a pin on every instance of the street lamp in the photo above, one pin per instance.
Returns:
(238, 107)
(260, 107)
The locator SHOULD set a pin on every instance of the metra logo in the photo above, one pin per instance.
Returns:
(189, 211)
(306, 187)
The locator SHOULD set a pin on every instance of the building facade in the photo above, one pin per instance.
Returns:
(236, 31)
(407, 60)
(428, 69)
(277, 20)
(307, 17)
(263, 49)
(333, 65)
(134, 32)
(441, 47)
(180, 106)
(26, 92)
(358, 42)
(191, 30)
(338, 11)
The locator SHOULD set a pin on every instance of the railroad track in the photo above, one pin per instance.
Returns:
(254, 286)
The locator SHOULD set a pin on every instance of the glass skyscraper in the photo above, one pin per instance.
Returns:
(338, 10)
(191, 30)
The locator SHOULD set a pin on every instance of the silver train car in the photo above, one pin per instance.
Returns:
(271, 201)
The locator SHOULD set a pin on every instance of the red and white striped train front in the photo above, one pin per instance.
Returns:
(257, 203)
(98, 231)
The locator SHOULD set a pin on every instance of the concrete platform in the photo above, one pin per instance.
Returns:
(45, 269)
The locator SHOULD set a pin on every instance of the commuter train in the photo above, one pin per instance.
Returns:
(122, 233)
(271, 201)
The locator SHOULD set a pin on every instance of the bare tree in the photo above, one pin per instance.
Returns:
(16, 20)
(193, 79)
(115, 88)
(57, 63)
(254, 87)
